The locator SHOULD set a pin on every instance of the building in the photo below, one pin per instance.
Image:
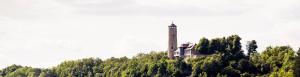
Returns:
(185, 49)
(172, 40)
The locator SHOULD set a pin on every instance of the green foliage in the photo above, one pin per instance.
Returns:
(217, 45)
(79, 68)
(251, 47)
(203, 46)
(297, 64)
(10, 69)
(225, 59)
(233, 44)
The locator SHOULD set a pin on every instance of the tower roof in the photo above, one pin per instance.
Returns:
(173, 25)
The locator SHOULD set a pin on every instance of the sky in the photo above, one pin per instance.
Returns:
(44, 33)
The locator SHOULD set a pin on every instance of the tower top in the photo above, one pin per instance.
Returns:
(172, 25)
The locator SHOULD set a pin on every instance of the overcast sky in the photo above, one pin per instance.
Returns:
(44, 33)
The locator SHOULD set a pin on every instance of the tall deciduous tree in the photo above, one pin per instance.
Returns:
(233, 44)
(251, 47)
(215, 45)
(203, 46)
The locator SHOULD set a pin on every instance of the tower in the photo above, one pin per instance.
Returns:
(172, 40)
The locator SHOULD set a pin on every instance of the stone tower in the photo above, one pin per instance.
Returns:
(172, 40)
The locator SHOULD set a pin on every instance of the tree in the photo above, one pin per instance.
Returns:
(196, 70)
(251, 47)
(47, 73)
(203, 45)
(231, 72)
(279, 60)
(233, 48)
(233, 44)
(215, 45)
(10, 69)
(297, 64)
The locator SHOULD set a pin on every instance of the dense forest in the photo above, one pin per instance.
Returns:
(225, 59)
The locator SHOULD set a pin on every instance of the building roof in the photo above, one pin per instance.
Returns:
(187, 45)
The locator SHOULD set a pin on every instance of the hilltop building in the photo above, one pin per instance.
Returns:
(184, 50)
(172, 40)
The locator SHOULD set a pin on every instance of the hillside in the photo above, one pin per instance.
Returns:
(226, 59)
